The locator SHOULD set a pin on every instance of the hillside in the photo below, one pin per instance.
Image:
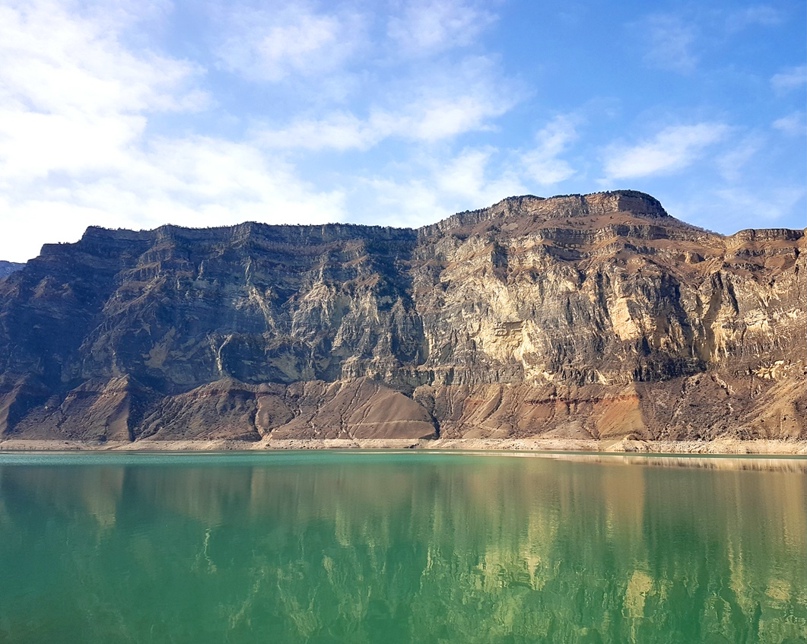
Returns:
(596, 316)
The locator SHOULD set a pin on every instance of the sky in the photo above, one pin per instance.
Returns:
(137, 113)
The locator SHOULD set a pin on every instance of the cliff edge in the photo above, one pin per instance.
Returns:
(581, 316)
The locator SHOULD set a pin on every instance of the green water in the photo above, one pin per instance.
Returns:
(401, 547)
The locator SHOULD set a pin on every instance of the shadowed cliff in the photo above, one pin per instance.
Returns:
(579, 316)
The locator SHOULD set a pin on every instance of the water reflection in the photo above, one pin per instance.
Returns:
(405, 548)
(793, 464)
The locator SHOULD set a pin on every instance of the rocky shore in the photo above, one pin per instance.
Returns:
(718, 446)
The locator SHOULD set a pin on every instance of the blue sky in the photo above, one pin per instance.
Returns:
(396, 112)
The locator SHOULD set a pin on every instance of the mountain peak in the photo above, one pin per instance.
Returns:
(597, 203)
(626, 205)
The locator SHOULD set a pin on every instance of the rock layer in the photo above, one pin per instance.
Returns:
(596, 316)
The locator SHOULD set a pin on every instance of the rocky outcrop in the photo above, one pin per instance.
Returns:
(7, 268)
(596, 316)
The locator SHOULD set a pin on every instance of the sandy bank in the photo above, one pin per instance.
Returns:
(719, 446)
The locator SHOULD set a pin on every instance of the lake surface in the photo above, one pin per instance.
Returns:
(401, 547)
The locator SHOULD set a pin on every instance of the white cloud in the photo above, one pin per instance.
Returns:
(794, 124)
(437, 186)
(467, 176)
(763, 15)
(732, 163)
(441, 116)
(434, 119)
(670, 43)
(671, 150)
(677, 41)
(761, 204)
(409, 202)
(426, 27)
(54, 61)
(73, 97)
(201, 171)
(542, 164)
(763, 207)
(198, 181)
(790, 79)
(428, 108)
(78, 105)
(75, 148)
(337, 131)
(288, 39)
(35, 145)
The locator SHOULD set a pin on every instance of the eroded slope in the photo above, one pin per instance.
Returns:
(581, 316)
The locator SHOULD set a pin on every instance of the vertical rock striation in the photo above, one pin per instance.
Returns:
(579, 316)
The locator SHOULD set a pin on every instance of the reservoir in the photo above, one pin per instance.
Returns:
(401, 547)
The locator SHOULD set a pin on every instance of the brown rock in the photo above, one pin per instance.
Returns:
(575, 317)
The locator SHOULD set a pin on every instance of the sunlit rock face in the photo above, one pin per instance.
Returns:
(580, 316)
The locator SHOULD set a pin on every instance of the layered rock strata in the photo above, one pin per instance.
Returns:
(596, 316)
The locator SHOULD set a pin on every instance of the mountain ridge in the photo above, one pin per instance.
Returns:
(582, 316)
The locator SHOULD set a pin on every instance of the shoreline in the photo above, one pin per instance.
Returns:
(727, 446)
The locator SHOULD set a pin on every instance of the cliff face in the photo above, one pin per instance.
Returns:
(7, 268)
(581, 316)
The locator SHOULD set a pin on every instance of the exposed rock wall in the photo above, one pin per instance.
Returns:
(580, 316)
(7, 268)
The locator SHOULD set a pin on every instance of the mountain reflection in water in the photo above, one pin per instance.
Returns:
(392, 547)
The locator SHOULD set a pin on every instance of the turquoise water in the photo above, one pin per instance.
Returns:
(401, 547)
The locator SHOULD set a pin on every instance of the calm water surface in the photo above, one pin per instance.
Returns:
(357, 547)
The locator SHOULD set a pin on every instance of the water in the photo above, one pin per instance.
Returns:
(357, 547)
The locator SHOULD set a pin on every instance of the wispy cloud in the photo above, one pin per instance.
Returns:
(429, 107)
(288, 39)
(794, 124)
(542, 165)
(73, 98)
(769, 203)
(681, 41)
(79, 103)
(195, 181)
(758, 15)
(426, 27)
(733, 161)
(468, 176)
(669, 41)
(439, 185)
(671, 150)
(317, 111)
(55, 61)
(729, 208)
(75, 147)
(790, 79)
(336, 131)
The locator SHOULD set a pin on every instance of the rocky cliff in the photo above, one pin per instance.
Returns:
(7, 268)
(579, 316)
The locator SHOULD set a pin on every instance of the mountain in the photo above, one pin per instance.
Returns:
(595, 316)
(7, 268)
